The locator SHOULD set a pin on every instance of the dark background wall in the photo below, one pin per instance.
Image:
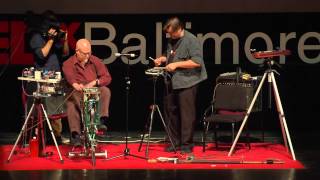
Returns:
(298, 82)
(159, 6)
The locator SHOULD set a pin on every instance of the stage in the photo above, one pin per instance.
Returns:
(228, 31)
(22, 166)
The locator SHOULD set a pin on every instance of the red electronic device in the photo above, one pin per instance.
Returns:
(269, 54)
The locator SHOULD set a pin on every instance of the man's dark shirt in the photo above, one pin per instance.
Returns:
(185, 48)
(54, 59)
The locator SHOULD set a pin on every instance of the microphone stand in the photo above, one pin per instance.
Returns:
(126, 151)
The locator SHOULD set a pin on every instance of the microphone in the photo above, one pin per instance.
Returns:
(124, 54)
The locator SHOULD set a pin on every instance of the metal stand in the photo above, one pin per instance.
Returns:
(154, 108)
(90, 120)
(126, 151)
(37, 104)
(284, 128)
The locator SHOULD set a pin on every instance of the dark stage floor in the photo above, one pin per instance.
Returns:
(305, 145)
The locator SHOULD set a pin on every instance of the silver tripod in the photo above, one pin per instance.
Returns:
(284, 128)
(37, 104)
(155, 73)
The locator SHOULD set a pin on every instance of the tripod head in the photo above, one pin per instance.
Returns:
(268, 57)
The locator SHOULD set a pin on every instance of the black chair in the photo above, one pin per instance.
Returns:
(229, 105)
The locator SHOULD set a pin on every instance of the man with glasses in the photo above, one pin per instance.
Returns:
(84, 70)
(183, 60)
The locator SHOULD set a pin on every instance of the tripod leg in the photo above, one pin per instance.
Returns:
(166, 128)
(269, 90)
(22, 131)
(281, 115)
(41, 133)
(247, 114)
(285, 142)
(143, 134)
(141, 141)
(24, 135)
(51, 131)
(150, 129)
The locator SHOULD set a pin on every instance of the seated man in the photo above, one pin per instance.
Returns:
(84, 70)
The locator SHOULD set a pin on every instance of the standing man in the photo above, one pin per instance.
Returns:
(84, 70)
(49, 45)
(183, 60)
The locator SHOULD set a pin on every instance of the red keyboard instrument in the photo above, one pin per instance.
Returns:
(269, 54)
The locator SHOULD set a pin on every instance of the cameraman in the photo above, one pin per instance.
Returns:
(49, 45)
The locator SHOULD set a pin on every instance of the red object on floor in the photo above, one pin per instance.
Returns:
(259, 152)
(34, 147)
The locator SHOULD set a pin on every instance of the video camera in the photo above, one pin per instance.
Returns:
(49, 21)
(60, 34)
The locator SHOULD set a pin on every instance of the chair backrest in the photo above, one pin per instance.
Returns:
(233, 96)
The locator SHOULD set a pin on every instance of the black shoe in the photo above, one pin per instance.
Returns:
(185, 149)
(102, 137)
(102, 127)
(75, 139)
(171, 149)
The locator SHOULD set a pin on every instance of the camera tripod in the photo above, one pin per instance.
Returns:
(37, 105)
(154, 108)
(285, 132)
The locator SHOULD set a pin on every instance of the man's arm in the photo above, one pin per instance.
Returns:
(188, 64)
(69, 75)
(65, 50)
(103, 76)
(46, 48)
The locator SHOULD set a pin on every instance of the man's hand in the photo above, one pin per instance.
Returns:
(66, 36)
(52, 33)
(171, 67)
(160, 60)
(77, 86)
(91, 84)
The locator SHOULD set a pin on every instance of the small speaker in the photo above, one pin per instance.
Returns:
(235, 96)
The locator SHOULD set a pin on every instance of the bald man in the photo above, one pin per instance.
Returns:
(84, 70)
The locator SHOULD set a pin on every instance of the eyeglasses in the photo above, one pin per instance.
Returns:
(174, 34)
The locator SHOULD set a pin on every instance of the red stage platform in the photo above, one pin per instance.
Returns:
(255, 158)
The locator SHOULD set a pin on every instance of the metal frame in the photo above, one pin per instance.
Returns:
(284, 128)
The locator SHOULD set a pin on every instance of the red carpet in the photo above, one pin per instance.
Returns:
(251, 159)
